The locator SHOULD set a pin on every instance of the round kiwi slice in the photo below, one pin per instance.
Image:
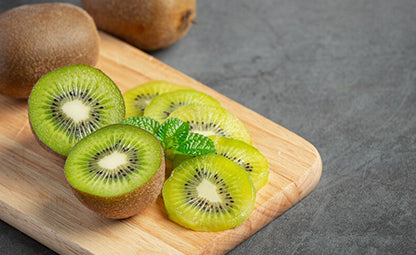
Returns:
(163, 105)
(139, 97)
(69, 103)
(246, 156)
(209, 193)
(211, 120)
(116, 171)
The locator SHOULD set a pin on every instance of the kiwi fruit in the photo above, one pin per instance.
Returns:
(148, 25)
(116, 171)
(163, 105)
(211, 120)
(138, 98)
(70, 103)
(245, 155)
(38, 38)
(209, 193)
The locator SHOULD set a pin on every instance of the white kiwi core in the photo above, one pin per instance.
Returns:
(205, 132)
(76, 110)
(208, 190)
(113, 161)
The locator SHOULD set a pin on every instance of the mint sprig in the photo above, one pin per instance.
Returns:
(175, 136)
(143, 122)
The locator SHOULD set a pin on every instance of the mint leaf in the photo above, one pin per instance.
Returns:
(172, 132)
(146, 123)
(195, 145)
(174, 136)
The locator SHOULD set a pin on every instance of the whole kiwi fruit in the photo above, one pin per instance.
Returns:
(148, 25)
(38, 38)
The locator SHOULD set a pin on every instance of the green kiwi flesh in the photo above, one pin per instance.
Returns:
(245, 155)
(116, 171)
(211, 120)
(70, 103)
(209, 193)
(163, 105)
(138, 98)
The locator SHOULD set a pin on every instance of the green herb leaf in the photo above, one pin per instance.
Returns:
(146, 123)
(174, 136)
(195, 145)
(173, 132)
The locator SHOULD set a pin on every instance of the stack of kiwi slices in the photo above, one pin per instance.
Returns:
(212, 192)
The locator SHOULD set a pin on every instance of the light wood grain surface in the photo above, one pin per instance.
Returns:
(35, 198)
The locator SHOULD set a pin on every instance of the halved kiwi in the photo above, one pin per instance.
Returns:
(139, 97)
(211, 120)
(70, 103)
(163, 105)
(116, 171)
(245, 155)
(209, 193)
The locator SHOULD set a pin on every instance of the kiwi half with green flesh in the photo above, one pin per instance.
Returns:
(139, 97)
(70, 103)
(211, 120)
(163, 105)
(209, 193)
(116, 171)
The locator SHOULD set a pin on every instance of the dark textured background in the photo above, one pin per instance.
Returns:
(340, 73)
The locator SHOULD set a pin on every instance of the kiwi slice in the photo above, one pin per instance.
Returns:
(209, 193)
(139, 97)
(245, 155)
(116, 171)
(211, 120)
(70, 103)
(163, 105)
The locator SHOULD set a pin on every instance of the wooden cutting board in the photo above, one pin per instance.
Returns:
(35, 198)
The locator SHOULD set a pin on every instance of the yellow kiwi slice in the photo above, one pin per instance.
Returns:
(209, 193)
(212, 121)
(139, 97)
(163, 105)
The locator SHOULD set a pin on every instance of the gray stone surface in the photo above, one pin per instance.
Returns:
(340, 73)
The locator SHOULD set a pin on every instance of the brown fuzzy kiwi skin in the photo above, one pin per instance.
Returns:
(38, 38)
(148, 25)
(126, 205)
(43, 145)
